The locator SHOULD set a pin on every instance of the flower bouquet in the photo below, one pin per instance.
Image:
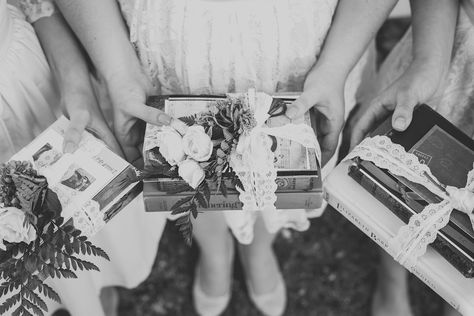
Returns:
(224, 146)
(50, 203)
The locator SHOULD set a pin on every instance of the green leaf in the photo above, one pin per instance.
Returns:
(206, 191)
(34, 307)
(35, 299)
(181, 202)
(180, 210)
(9, 303)
(201, 200)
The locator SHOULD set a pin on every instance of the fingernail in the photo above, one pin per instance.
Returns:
(399, 123)
(291, 112)
(69, 148)
(164, 119)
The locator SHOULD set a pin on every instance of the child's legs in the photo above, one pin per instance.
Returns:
(391, 294)
(259, 261)
(216, 257)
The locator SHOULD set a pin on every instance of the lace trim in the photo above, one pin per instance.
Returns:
(412, 239)
(89, 219)
(37, 9)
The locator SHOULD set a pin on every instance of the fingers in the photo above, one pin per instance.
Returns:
(377, 111)
(72, 137)
(300, 106)
(148, 114)
(403, 113)
(329, 129)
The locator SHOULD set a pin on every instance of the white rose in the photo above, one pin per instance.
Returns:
(197, 144)
(171, 146)
(191, 172)
(13, 228)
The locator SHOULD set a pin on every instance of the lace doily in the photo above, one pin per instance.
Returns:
(412, 239)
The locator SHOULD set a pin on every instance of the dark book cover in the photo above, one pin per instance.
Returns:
(450, 155)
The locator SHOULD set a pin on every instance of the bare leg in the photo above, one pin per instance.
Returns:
(109, 298)
(217, 250)
(259, 261)
(391, 294)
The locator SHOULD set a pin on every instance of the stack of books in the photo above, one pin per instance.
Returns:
(298, 171)
(379, 202)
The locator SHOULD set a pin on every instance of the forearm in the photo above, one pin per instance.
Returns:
(355, 24)
(64, 54)
(100, 28)
(434, 25)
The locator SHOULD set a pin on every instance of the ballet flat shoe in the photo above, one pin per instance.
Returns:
(273, 303)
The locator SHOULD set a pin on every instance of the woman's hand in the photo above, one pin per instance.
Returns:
(128, 91)
(417, 85)
(323, 90)
(81, 105)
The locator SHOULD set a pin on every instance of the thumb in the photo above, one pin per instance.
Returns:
(403, 114)
(74, 131)
(300, 106)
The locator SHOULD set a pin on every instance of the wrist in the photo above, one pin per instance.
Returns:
(331, 76)
(425, 68)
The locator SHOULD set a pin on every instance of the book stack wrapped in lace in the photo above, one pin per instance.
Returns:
(422, 177)
(50, 203)
(222, 155)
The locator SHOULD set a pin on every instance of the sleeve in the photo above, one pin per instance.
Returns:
(37, 9)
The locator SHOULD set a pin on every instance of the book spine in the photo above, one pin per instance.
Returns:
(455, 257)
(284, 184)
(381, 238)
(287, 200)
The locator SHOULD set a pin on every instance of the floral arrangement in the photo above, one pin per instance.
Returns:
(36, 242)
(199, 152)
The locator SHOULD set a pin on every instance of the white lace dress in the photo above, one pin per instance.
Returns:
(455, 96)
(29, 103)
(219, 46)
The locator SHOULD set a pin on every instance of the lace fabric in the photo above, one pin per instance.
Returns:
(37, 9)
(412, 239)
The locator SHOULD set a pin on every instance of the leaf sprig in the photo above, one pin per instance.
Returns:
(55, 252)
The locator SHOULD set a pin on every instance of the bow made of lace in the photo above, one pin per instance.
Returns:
(412, 240)
(253, 159)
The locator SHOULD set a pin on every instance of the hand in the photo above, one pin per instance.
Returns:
(128, 91)
(81, 105)
(417, 85)
(324, 91)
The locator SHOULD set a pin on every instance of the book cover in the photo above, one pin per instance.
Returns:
(93, 183)
(374, 219)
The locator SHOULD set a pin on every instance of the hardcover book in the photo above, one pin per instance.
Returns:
(450, 155)
(298, 170)
(375, 220)
(93, 184)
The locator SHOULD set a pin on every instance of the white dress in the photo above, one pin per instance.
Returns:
(219, 46)
(28, 104)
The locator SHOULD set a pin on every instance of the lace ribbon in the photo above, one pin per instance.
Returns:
(89, 219)
(412, 239)
(253, 160)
